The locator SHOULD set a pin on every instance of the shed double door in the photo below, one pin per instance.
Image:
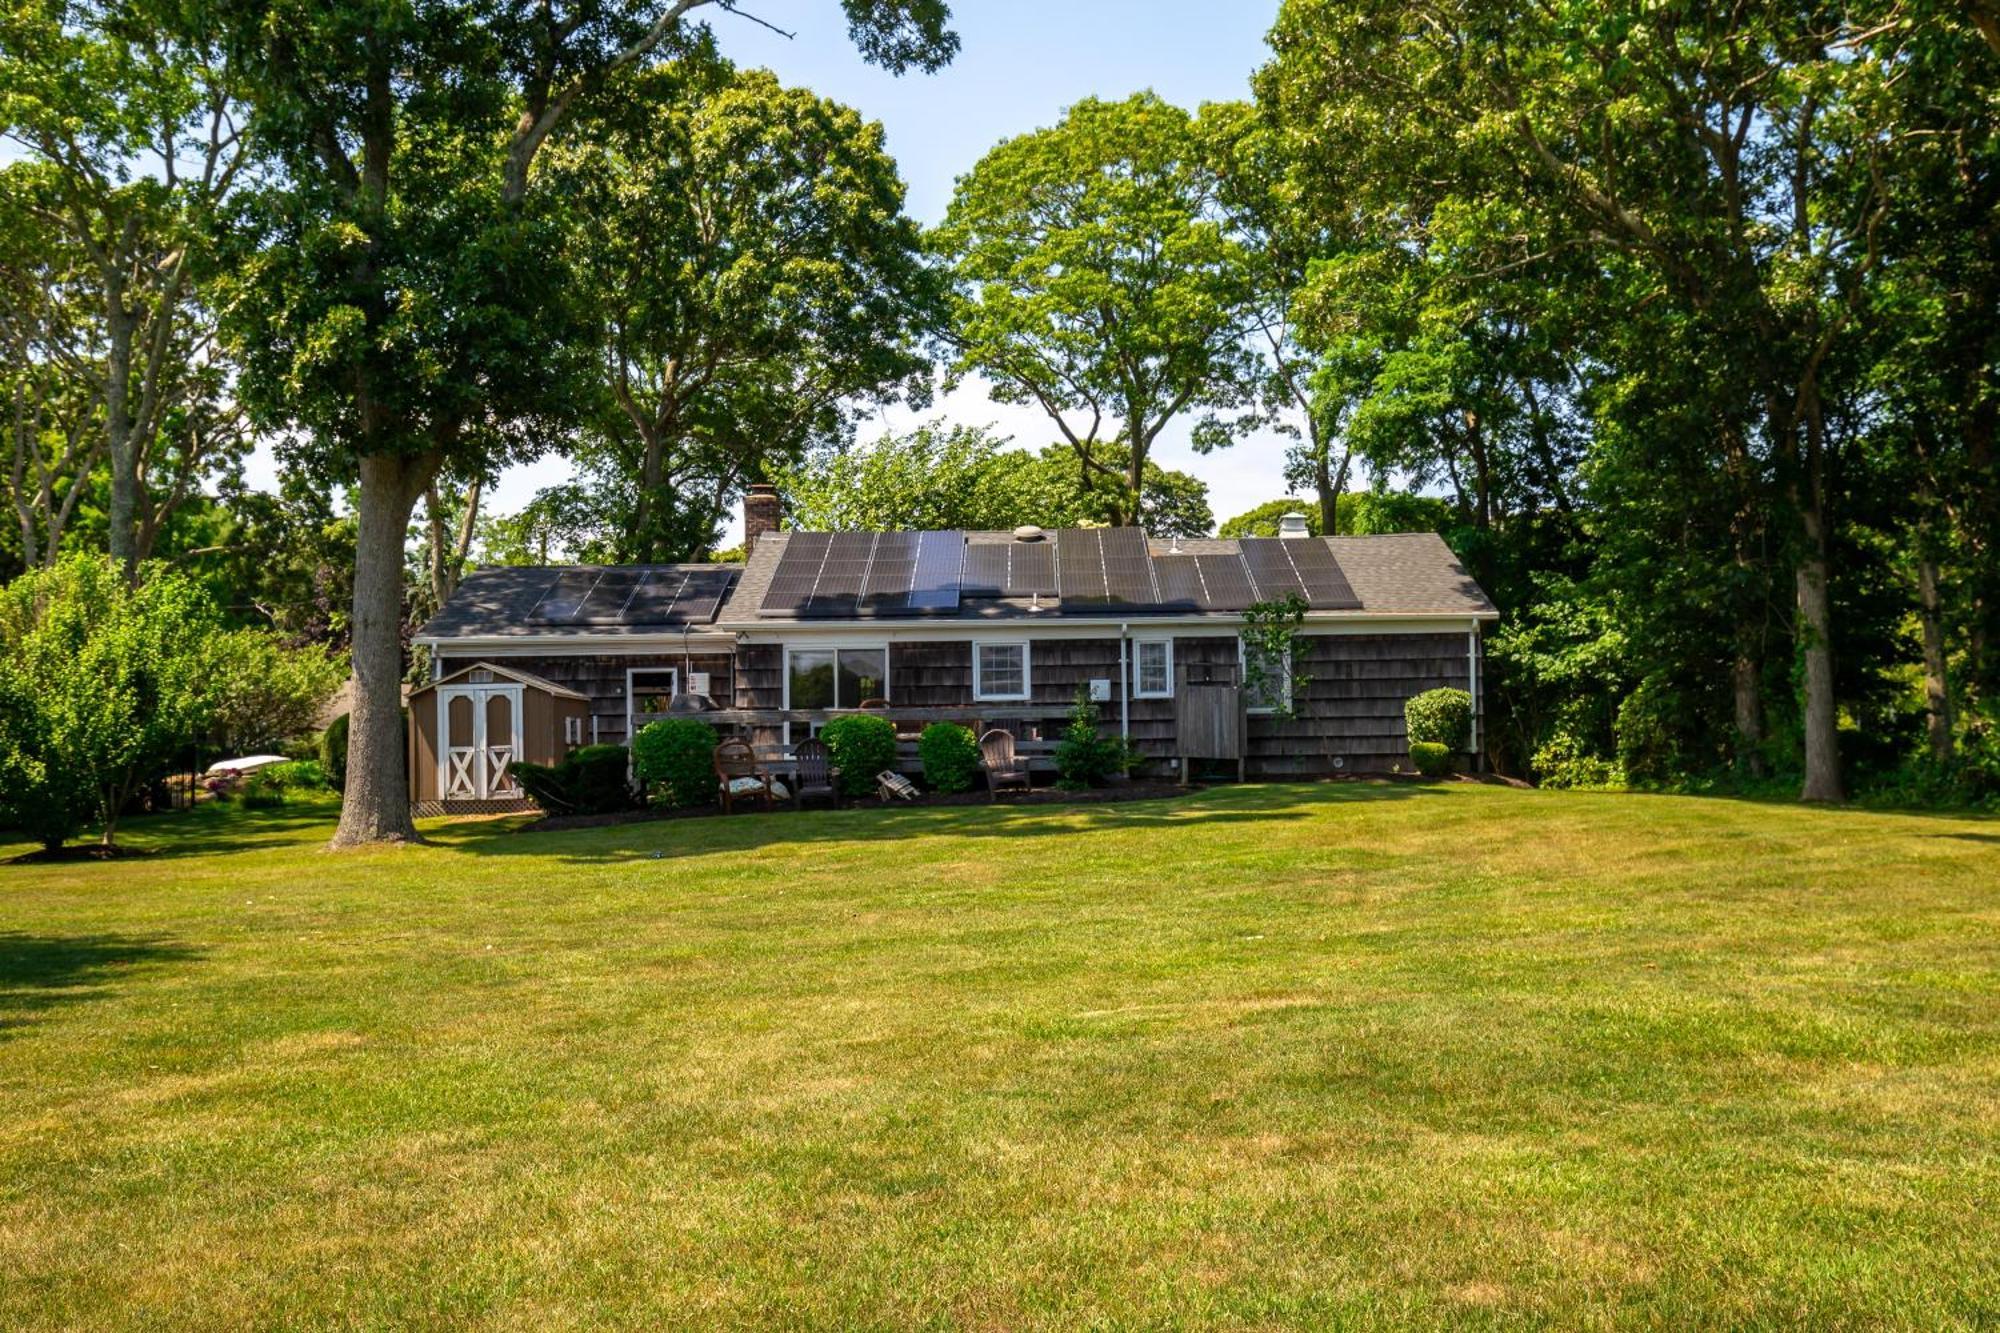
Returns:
(480, 730)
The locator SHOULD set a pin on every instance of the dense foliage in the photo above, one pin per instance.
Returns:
(862, 746)
(1439, 717)
(104, 682)
(591, 780)
(950, 755)
(674, 761)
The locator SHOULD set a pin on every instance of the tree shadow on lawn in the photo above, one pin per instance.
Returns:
(757, 830)
(39, 972)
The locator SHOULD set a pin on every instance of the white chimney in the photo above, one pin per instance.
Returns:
(1293, 525)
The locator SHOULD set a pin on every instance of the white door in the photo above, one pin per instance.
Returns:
(479, 737)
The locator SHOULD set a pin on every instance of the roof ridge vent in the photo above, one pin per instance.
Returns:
(1293, 526)
(1028, 532)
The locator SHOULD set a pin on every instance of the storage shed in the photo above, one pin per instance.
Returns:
(468, 728)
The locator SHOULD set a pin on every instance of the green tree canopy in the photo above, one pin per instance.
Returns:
(969, 477)
(758, 283)
(1095, 278)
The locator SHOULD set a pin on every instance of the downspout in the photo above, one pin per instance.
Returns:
(1472, 683)
(1124, 686)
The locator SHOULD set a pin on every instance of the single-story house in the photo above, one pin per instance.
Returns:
(988, 628)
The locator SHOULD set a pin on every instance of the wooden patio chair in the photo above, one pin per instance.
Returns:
(735, 759)
(815, 773)
(1003, 767)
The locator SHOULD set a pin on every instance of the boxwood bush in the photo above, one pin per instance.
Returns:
(862, 745)
(1432, 759)
(674, 760)
(951, 757)
(1439, 717)
(589, 781)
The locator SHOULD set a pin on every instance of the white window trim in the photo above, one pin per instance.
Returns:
(979, 693)
(632, 675)
(1243, 665)
(845, 645)
(1138, 692)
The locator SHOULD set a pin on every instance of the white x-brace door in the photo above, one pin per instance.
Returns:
(474, 764)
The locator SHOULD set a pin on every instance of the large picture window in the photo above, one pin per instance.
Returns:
(1000, 672)
(1152, 668)
(835, 677)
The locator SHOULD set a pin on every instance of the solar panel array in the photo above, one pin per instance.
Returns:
(1082, 570)
(632, 596)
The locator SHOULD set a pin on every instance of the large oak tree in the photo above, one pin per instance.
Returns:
(408, 311)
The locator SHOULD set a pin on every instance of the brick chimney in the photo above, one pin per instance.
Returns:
(761, 512)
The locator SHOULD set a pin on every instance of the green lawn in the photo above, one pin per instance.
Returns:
(1317, 1055)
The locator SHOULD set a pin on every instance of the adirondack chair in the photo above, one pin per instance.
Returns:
(735, 759)
(815, 773)
(1003, 767)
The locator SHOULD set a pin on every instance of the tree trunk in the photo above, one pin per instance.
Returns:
(1937, 685)
(120, 448)
(1746, 681)
(376, 805)
(1822, 781)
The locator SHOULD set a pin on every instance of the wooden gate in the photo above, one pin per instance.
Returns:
(1208, 714)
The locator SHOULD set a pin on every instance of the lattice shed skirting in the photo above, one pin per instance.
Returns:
(433, 809)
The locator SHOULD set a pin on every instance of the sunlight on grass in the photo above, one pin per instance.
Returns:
(1337, 1054)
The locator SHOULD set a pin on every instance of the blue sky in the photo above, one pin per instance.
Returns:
(1021, 63)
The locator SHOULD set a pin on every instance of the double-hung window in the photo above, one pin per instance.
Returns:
(1000, 672)
(1152, 668)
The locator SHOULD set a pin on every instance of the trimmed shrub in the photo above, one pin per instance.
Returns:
(1432, 759)
(951, 757)
(862, 745)
(589, 781)
(1440, 717)
(333, 753)
(1084, 757)
(674, 760)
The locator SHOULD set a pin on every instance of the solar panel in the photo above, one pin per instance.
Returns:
(701, 595)
(985, 572)
(939, 562)
(838, 590)
(1271, 568)
(565, 597)
(798, 571)
(1128, 570)
(1179, 581)
(1031, 569)
(1225, 583)
(1080, 567)
(605, 603)
(1327, 587)
(887, 588)
(652, 603)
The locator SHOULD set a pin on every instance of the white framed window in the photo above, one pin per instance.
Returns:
(1266, 701)
(1000, 672)
(835, 678)
(572, 731)
(1152, 668)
